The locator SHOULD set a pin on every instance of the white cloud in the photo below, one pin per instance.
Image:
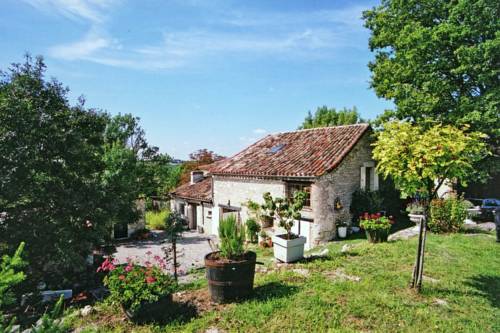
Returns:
(81, 49)
(89, 10)
(259, 131)
(308, 35)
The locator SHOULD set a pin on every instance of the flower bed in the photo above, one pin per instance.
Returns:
(142, 291)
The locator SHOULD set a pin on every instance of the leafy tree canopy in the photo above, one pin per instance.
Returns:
(198, 158)
(439, 61)
(325, 117)
(419, 160)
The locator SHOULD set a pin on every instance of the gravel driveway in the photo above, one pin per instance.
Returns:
(191, 248)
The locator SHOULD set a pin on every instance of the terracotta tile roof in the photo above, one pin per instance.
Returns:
(303, 153)
(201, 190)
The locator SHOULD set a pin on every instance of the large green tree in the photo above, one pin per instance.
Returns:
(325, 117)
(419, 160)
(51, 165)
(439, 61)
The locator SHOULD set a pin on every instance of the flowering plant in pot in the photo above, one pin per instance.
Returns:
(231, 270)
(288, 247)
(376, 226)
(144, 292)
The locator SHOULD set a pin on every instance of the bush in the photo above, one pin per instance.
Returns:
(132, 285)
(364, 201)
(447, 215)
(156, 220)
(231, 237)
(253, 229)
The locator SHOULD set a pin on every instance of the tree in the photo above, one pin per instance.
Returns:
(438, 60)
(51, 164)
(198, 158)
(419, 160)
(325, 117)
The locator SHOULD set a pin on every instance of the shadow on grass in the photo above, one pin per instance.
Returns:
(273, 290)
(178, 312)
(488, 286)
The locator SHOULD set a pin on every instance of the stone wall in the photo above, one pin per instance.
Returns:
(341, 183)
(233, 191)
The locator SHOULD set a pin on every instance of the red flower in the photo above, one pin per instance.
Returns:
(150, 279)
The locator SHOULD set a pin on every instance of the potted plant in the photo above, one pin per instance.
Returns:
(342, 222)
(144, 292)
(288, 247)
(252, 228)
(416, 212)
(231, 270)
(376, 226)
(267, 210)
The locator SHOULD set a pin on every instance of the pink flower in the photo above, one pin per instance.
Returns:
(122, 277)
(147, 263)
(128, 268)
(149, 253)
(150, 279)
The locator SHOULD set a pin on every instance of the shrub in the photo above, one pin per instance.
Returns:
(132, 285)
(156, 220)
(10, 276)
(253, 229)
(366, 201)
(447, 215)
(415, 208)
(375, 222)
(232, 238)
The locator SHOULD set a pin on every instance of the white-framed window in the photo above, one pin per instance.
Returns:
(369, 177)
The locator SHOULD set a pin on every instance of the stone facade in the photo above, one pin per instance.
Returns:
(348, 177)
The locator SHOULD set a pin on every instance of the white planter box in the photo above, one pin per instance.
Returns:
(342, 232)
(288, 250)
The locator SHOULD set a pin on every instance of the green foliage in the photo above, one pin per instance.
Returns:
(365, 201)
(415, 208)
(174, 225)
(10, 275)
(50, 174)
(156, 220)
(325, 117)
(287, 210)
(253, 229)
(438, 60)
(447, 215)
(415, 158)
(51, 322)
(232, 238)
(375, 222)
(134, 284)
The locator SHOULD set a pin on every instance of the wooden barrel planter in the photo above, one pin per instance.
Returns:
(230, 280)
(377, 236)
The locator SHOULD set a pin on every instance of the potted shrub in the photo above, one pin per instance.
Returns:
(376, 226)
(267, 210)
(288, 247)
(144, 292)
(231, 270)
(252, 228)
(416, 212)
(342, 223)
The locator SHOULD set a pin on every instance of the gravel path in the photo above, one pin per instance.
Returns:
(192, 248)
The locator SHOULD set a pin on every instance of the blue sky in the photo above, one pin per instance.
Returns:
(200, 74)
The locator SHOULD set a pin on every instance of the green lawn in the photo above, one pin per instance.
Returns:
(463, 297)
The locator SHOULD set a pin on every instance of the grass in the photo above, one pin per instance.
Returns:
(156, 220)
(462, 270)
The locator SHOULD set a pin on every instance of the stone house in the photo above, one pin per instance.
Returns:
(329, 164)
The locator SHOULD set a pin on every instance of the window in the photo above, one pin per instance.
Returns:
(181, 209)
(304, 187)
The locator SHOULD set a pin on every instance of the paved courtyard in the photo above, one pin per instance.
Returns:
(192, 248)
